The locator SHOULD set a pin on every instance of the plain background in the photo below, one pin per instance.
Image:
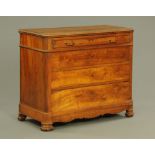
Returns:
(142, 125)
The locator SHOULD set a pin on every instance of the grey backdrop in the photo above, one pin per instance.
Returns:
(142, 125)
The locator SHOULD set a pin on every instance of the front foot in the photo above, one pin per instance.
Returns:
(129, 112)
(46, 127)
(21, 117)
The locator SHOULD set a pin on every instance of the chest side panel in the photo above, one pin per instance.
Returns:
(32, 79)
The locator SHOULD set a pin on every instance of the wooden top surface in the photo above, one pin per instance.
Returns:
(70, 31)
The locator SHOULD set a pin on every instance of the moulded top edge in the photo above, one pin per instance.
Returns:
(70, 31)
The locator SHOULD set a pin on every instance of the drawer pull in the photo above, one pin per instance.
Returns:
(69, 43)
(112, 40)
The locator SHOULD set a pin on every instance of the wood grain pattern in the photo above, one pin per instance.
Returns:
(48, 118)
(48, 44)
(107, 39)
(75, 31)
(73, 100)
(33, 41)
(32, 79)
(90, 76)
(71, 73)
(89, 58)
(89, 41)
(94, 112)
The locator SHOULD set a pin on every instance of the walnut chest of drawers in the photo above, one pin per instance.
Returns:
(75, 72)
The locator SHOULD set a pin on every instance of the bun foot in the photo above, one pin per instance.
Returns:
(129, 112)
(46, 127)
(21, 117)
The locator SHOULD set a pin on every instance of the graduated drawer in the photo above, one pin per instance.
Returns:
(91, 57)
(87, 98)
(90, 76)
(90, 40)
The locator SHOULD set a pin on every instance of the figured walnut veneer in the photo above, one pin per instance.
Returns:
(75, 72)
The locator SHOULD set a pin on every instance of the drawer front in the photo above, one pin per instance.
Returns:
(73, 100)
(92, 57)
(90, 40)
(83, 42)
(90, 76)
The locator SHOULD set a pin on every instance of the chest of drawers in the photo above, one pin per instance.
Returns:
(74, 73)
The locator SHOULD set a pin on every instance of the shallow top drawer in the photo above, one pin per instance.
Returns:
(90, 40)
